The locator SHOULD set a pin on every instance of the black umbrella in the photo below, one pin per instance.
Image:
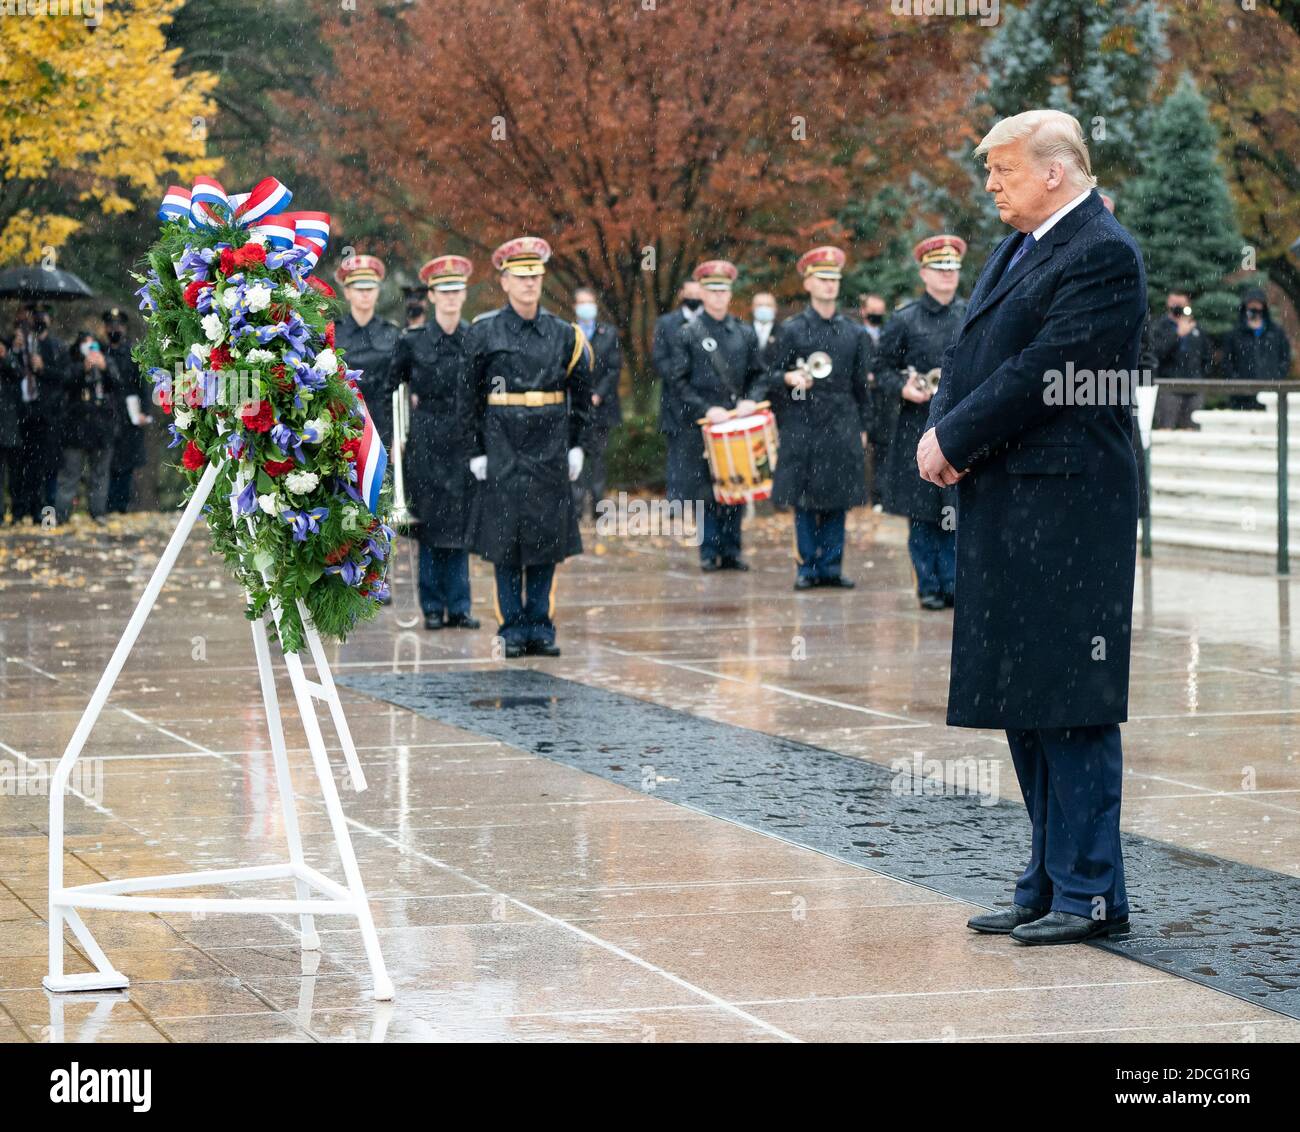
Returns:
(32, 283)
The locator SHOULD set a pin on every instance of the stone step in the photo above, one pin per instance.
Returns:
(1250, 442)
(1244, 517)
(1222, 463)
(1231, 420)
(1220, 489)
(1241, 542)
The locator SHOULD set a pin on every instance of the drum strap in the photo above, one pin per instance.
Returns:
(696, 331)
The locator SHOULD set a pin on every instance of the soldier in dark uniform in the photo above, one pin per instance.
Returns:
(526, 417)
(666, 328)
(713, 368)
(822, 421)
(911, 346)
(128, 443)
(606, 412)
(368, 339)
(417, 312)
(430, 360)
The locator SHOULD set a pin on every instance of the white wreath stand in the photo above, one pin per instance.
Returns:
(118, 895)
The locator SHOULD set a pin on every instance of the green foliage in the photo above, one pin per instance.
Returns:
(1181, 213)
(637, 453)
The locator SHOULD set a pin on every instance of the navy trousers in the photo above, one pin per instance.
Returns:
(524, 603)
(1071, 780)
(934, 557)
(721, 530)
(444, 580)
(819, 543)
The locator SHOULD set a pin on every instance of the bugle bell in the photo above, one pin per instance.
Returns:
(817, 365)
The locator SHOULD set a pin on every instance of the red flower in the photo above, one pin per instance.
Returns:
(249, 254)
(318, 284)
(282, 380)
(337, 409)
(279, 312)
(164, 401)
(193, 457)
(257, 416)
(193, 290)
(275, 468)
(351, 448)
(227, 261)
(219, 358)
(335, 556)
(329, 335)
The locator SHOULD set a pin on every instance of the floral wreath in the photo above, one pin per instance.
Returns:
(240, 349)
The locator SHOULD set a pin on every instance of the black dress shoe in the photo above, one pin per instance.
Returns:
(462, 621)
(932, 601)
(804, 583)
(514, 652)
(1065, 927)
(735, 564)
(839, 581)
(541, 648)
(1001, 923)
(433, 621)
(708, 565)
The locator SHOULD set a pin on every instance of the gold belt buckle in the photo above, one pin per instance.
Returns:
(534, 398)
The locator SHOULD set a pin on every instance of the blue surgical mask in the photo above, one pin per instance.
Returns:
(586, 312)
(764, 314)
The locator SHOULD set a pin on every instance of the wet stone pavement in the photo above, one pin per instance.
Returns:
(591, 848)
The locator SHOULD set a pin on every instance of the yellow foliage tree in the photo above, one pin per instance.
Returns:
(92, 117)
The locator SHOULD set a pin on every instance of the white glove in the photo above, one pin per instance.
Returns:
(575, 463)
(478, 468)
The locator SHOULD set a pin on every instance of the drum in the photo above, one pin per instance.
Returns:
(742, 456)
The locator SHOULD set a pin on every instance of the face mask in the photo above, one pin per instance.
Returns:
(586, 312)
(40, 322)
(876, 319)
(115, 336)
(764, 314)
(692, 304)
(414, 310)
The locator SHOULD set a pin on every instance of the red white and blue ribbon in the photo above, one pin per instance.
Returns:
(372, 460)
(261, 211)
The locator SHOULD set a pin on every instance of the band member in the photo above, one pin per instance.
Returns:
(822, 421)
(606, 412)
(713, 366)
(431, 361)
(666, 327)
(368, 339)
(527, 416)
(128, 443)
(911, 346)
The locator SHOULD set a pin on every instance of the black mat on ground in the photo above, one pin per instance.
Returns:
(1226, 925)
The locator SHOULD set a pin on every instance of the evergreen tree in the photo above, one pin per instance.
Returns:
(1097, 61)
(1180, 210)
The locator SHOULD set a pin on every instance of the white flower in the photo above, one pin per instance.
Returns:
(259, 355)
(229, 297)
(300, 483)
(258, 238)
(202, 349)
(320, 426)
(270, 503)
(182, 418)
(326, 361)
(213, 327)
(258, 296)
(166, 342)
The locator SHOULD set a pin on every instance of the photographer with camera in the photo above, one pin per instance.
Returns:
(90, 421)
(1183, 351)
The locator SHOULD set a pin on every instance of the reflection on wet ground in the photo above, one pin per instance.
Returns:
(522, 899)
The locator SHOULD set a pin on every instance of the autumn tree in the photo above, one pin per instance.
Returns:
(639, 139)
(92, 119)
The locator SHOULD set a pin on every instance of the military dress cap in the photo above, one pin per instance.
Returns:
(824, 262)
(446, 273)
(524, 255)
(715, 274)
(365, 271)
(941, 252)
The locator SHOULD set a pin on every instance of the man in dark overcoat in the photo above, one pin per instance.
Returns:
(1047, 516)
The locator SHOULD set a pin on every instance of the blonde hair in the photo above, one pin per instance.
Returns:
(1053, 136)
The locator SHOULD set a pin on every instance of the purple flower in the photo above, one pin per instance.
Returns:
(304, 522)
(351, 572)
(175, 435)
(196, 262)
(245, 502)
(236, 446)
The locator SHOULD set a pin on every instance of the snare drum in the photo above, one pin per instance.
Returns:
(742, 457)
